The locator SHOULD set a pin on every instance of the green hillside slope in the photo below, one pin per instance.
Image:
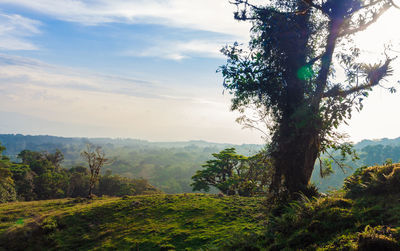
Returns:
(159, 222)
(364, 215)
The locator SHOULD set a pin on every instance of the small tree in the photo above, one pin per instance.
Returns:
(232, 174)
(95, 157)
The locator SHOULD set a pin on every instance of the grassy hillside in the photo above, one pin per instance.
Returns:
(159, 222)
(364, 215)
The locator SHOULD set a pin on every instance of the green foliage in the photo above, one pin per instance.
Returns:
(374, 180)
(167, 165)
(24, 179)
(40, 177)
(170, 166)
(51, 185)
(378, 238)
(115, 185)
(7, 188)
(233, 174)
(332, 223)
(364, 216)
(37, 161)
(78, 182)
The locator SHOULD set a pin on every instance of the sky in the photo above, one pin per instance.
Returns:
(143, 69)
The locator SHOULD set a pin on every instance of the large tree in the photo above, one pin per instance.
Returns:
(288, 74)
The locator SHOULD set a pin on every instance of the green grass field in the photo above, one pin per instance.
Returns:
(364, 215)
(157, 222)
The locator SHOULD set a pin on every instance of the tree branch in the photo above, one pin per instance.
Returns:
(336, 92)
(318, 7)
(339, 163)
(372, 3)
(326, 61)
(241, 15)
(313, 60)
(364, 26)
(246, 3)
(374, 77)
(394, 5)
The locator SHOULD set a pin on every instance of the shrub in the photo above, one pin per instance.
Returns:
(374, 180)
(377, 238)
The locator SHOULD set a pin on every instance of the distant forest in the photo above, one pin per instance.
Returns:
(169, 166)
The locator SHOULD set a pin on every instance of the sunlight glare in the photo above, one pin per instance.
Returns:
(384, 32)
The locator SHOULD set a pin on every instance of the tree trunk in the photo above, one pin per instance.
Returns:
(294, 157)
(91, 186)
(296, 142)
(90, 195)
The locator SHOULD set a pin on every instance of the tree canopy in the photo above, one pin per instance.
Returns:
(40, 176)
(232, 173)
(7, 188)
(288, 73)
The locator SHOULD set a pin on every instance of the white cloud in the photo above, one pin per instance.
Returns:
(102, 105)
(208, 15)
(178, 50)
(14, 31)
(16, 70)
(205, 15)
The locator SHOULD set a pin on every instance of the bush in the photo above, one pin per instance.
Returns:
(377, 238)
(374, 180)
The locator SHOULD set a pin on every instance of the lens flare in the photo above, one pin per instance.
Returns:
(305, 73)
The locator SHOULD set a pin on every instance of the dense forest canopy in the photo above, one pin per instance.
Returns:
(40, 176)
(170, 166)
(167, 165)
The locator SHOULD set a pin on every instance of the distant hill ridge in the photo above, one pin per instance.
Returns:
(48, 139)
(383, 141)
(34, 141)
